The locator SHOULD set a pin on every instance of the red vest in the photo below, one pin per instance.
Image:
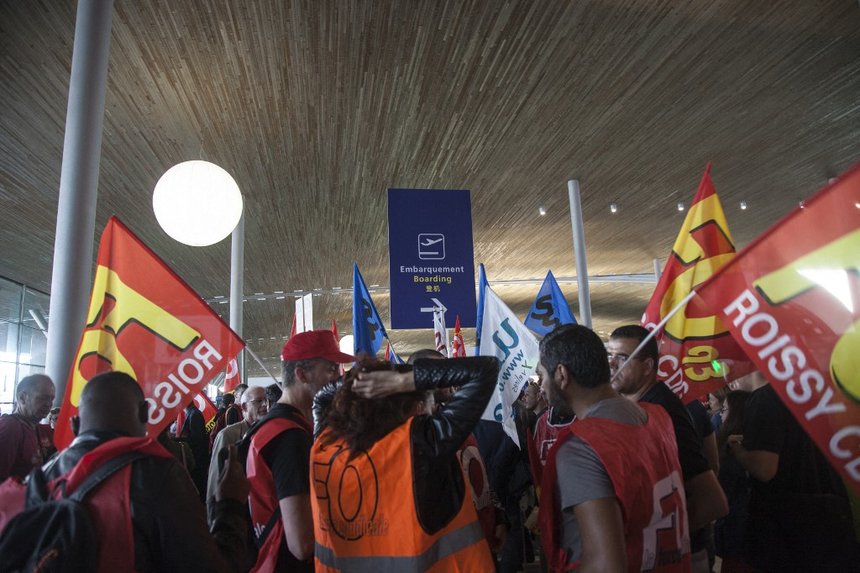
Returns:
(366, 519)
(540, 442)
(262, 499)
(108, 503)
(646, 477)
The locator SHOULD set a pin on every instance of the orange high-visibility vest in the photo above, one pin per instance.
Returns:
(366, 520)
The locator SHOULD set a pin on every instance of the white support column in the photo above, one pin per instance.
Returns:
(79, 177)
(579, 252)
(237, 286)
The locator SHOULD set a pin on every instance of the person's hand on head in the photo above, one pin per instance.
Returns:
(381, 383)
(232, 483)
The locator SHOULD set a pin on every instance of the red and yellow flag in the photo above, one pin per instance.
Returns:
(697, 354)
(792, 301)
(144, 320)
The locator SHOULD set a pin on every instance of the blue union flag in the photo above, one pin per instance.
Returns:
(550, 308)
(367, 328)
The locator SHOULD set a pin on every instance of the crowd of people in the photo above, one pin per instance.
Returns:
(391, 468)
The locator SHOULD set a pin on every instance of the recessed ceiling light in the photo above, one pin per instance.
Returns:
(680, 206)
(743, 205)
(541, 211)
(613, 208)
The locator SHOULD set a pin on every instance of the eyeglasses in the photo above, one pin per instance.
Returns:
(619, 358)
(320, 364)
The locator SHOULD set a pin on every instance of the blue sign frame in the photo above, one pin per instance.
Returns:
(431, 256)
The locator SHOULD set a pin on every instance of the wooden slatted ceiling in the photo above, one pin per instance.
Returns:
(318, 106)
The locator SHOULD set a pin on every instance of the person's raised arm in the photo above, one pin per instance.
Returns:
(762, 465)
(445, 431)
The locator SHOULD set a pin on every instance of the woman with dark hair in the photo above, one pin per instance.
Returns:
(388, 491)
(729, 531)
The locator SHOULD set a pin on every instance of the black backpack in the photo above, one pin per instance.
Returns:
(56, 535)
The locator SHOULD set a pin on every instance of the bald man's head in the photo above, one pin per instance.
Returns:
(35, 394)
(254, 404)
(113, 401)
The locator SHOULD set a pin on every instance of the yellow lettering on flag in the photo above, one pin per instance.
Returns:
(104, 325)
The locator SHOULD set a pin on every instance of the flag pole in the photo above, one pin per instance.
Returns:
(656, 330)
(260, 362)
(579, 251)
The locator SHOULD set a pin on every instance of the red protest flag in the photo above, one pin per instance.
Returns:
(232, 376)
(334, 331)
(792, 300)
(147, 322)
(206, 407)
(697, 354)
(294, 327)
(458, 346)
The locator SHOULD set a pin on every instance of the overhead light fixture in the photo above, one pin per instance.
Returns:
(541, 211)
(857, 204)
(802, 204)
(743, 205)
(197, 203)
(613, 208)
(680, 206)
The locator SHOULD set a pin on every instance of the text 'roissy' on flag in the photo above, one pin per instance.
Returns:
(791, 299)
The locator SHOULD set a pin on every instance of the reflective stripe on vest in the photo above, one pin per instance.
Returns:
(445, 546)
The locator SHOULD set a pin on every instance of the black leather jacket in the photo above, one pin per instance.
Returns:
(439, 487)
(170, 531)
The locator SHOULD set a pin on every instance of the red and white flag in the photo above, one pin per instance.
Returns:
(791, 299)
(697, 354)
(147, 322)
(458, 347)
(440, 332)
(232, 376)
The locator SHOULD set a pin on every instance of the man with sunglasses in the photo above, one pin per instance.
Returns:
(638, 382)
(278, 458)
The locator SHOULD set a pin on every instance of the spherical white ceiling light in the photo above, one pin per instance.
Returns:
(197, 203)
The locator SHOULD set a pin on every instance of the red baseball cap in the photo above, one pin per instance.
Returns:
(314, 344)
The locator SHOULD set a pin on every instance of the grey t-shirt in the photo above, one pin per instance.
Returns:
(581, 475)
